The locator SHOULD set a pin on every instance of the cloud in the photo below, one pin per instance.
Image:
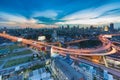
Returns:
(100, 15)
(59, 12)
(47, 17)
(44, 20)
(21, 25)
(5, 17)
(16, 20)
(96, 21)
(47, 13)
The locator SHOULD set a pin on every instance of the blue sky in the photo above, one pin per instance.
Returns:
(38, 12)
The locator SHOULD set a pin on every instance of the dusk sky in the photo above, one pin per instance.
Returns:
(38, 12)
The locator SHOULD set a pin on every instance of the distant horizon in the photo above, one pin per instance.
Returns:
(54, 12)
(116, 25)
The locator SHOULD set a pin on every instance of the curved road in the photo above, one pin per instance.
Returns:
(89, 52)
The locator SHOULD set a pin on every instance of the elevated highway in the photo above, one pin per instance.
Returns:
(107, 44)
(93, 54)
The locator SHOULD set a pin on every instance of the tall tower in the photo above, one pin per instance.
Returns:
(111, 26)
(106, 28)
(54, 36)
(68, 27)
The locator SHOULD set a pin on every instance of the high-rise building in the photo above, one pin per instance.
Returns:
(54, 36)
(68, 27)
(62, 27)
(111, 26)
(91, 27)
(106, 28)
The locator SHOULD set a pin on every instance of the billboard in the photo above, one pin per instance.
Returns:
(41, 38)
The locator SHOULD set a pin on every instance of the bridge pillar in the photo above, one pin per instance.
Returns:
(53, 54)
(99, 59)
(105, 62)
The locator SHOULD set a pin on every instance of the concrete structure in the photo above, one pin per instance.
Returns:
(85, 69)
(17, 68)
(64, 71)
(0, 77)
(111, 27)
(4, 51)
(20, 77)
(107, 76)
(106, 28)
(94, 55)
(54, 36)
(40, 74)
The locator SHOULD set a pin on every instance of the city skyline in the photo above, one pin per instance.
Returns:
(40, 12)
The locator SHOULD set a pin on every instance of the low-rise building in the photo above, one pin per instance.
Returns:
(64, 71)
(40, 74)
(18, 77)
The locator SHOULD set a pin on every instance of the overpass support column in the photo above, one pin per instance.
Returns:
(105, 62)
(53, 54)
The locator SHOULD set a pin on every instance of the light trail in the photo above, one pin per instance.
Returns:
(85, 54)
(105, 41)
(94, 54)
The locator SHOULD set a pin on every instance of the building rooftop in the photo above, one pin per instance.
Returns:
(67, 69)
(20, 77)
(40, 74)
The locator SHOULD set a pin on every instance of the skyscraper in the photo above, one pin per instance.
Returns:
(111, 26)
(68, 27)
(106, 28)
(54, 36)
